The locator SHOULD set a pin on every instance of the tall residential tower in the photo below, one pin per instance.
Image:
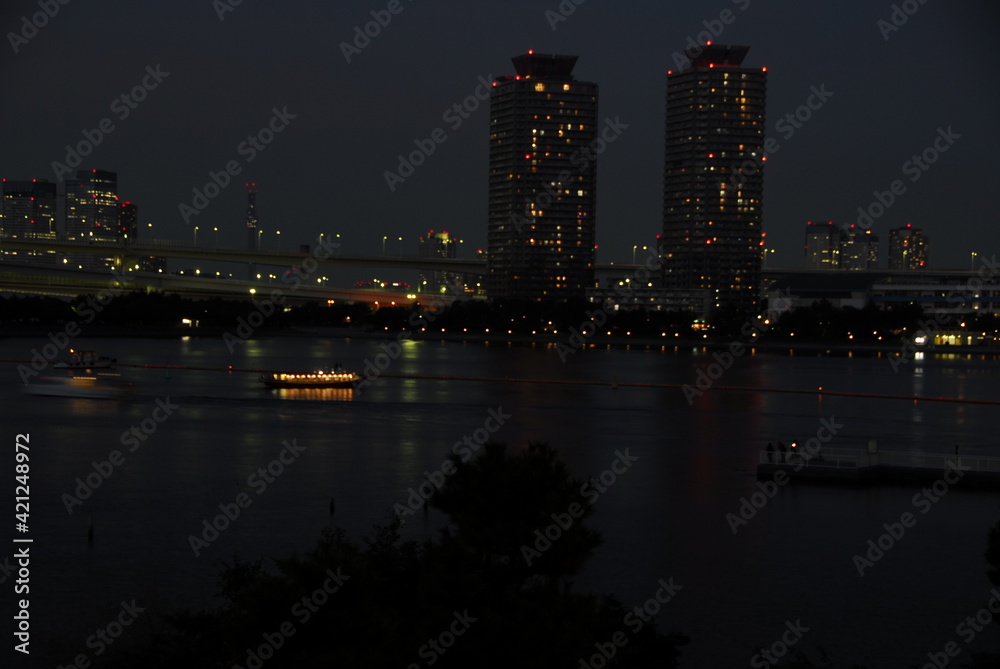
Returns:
(543, 181)
(713, 180)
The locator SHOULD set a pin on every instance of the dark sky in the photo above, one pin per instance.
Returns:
(325, 171)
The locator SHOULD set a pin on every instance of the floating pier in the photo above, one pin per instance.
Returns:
(856, 467)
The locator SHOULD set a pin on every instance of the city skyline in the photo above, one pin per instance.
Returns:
(859, 135)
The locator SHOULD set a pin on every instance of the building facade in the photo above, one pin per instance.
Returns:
(908, 248)
(543, 181)
(439, 245)
(28, 211)
(713, 180)
(858, 249)
(92, 206)
(128, 220)
(822, 247)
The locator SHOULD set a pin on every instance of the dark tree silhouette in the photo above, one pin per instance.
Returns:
(467, 599)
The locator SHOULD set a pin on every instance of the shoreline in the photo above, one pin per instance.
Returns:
(603, 341)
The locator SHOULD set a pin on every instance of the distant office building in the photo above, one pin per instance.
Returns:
(128, 220)
(713, 181)
(92, 206)
(908, 248)
(253, 233)
(543, 180)
(29, 208)
(92, 211)
(439, 245)
(28, 211)
(822, 248)
(858, 249)
(253, 238)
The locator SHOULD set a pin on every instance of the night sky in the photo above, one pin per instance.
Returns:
(324, 172)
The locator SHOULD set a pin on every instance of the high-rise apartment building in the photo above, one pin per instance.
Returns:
(543, 181)
(713, 181)
(908, 248)
(822, 248)
(858, 249)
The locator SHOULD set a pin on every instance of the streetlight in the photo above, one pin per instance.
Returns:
(972, 261)
(278, 232)
(634, 247)
(196, 235)
(383, 245)
(216, 236)
(150, 226)
(400, 246)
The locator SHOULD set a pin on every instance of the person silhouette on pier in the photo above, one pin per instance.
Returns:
(782, 452)
(768, 452)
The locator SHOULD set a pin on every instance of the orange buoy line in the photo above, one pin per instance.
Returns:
(565, 382)
(626, 384)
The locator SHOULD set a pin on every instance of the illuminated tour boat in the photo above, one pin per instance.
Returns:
(336, 378)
